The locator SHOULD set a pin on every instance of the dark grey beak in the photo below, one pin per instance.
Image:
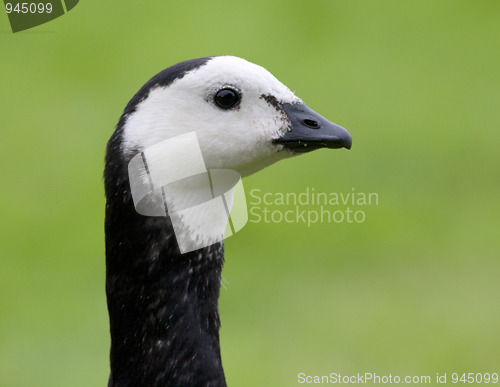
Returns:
(310, 131)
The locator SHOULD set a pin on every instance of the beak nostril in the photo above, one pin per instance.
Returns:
(311, 124)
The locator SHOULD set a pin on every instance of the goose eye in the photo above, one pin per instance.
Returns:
(227, 98)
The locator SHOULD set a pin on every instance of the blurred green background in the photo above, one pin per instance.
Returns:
(413, 290)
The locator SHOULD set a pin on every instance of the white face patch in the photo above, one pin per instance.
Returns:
(240, 138)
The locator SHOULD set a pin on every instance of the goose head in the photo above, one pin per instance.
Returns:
(244, 118)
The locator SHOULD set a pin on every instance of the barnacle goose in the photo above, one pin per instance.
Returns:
(162, 304)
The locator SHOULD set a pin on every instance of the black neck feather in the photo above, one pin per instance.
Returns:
(162, 305)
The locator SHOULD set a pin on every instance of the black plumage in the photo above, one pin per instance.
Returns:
(162, 304)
